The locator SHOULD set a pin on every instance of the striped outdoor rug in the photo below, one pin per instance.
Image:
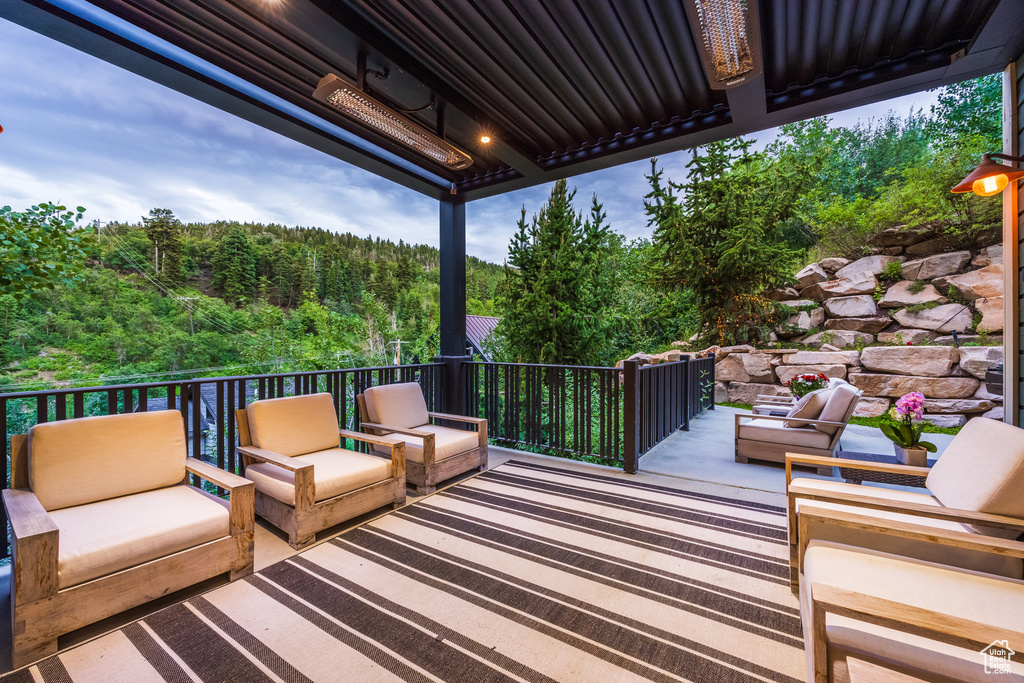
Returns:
(524, 573)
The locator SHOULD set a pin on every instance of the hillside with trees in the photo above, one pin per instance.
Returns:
(162, 296)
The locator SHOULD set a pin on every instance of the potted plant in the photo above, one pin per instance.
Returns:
(805, 384)
(905, 434)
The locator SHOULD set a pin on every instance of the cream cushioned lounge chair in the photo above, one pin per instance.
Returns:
(875, 616)
(433, 453)
(767, 437)
(304, 482)
(103, 520)
(977, 487)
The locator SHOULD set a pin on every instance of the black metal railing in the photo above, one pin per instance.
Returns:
(207, 405)
(553, 408)
(601, 414)
(670, 395)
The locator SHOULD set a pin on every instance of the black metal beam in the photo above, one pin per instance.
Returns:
(453, 276)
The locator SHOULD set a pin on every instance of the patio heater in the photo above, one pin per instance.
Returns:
(728, 37)
(353, 102)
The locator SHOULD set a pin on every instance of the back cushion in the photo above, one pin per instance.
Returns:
(808, 407)
(73, 462)
(982, 469)
(295, 425)
(839, 407)
(397, 405)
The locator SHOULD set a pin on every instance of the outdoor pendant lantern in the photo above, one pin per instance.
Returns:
(990, 177)
(353, 102)
(728, 37)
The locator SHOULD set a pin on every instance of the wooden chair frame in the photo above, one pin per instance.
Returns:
(426, 475)
(767, 403)
(824, 600)
(303, 520)
(40, 611)
(797, 491)
(749, 449)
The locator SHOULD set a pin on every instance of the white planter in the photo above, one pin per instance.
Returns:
(918, 457)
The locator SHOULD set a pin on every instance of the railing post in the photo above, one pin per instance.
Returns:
(687, 383)
(631, 415)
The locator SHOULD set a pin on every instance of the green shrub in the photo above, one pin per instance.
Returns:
(917, 287)
(924, 305)
(892, 272)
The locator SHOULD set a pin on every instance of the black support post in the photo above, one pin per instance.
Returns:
(453, 302)
(631, 415)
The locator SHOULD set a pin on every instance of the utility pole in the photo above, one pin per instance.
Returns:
(189, 307)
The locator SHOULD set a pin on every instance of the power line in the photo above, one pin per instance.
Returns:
(208, 316)
(111, 378)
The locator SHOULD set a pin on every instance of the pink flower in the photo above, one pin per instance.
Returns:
(911, 404)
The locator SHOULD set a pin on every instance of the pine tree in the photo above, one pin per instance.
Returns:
(234, 266)
(723, 240)
(559, 285)
(164, 231)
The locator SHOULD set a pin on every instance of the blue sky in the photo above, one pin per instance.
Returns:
(80, 131)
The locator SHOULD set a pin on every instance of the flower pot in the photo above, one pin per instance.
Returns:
(918, 456)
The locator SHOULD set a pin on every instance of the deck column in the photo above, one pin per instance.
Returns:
(452, 347)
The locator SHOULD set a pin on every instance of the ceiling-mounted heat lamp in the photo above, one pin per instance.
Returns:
(356, 104)
(728, 37)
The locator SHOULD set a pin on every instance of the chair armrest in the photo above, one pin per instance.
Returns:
(918, 621)
(751, 416)
(396, 430)
(215, 475)
(27, 515)
(907, 508)
(241, 497)
(282, 461)
(396, 445)
(819, 461)
(459, 418)
(384, 440)
(34, 547)
(771, 398)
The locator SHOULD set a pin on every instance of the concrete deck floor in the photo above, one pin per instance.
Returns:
(706, 453)
(703, 457)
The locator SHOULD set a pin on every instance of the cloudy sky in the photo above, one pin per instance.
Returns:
(79, 131)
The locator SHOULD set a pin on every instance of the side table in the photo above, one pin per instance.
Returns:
(853, 476)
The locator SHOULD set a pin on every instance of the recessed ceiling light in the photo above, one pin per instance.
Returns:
(485, 139)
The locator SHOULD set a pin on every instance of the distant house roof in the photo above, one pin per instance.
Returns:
(477, 329)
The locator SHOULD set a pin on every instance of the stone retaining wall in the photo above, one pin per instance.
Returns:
(951, 379)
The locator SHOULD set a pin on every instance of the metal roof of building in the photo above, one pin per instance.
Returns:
(478, 327)
(563, 86)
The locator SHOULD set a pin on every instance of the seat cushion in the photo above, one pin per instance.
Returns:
(105, 537)
(397, 405)
(75, 462)
(295, 425)
(982, 470)
(773, 431)
(808, 407)
(997, 602)
(447, 442)
(335, 471)
(958, 557)
(839, 407)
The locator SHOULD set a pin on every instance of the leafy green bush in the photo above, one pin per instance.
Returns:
(916, 287)
(892, 271)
